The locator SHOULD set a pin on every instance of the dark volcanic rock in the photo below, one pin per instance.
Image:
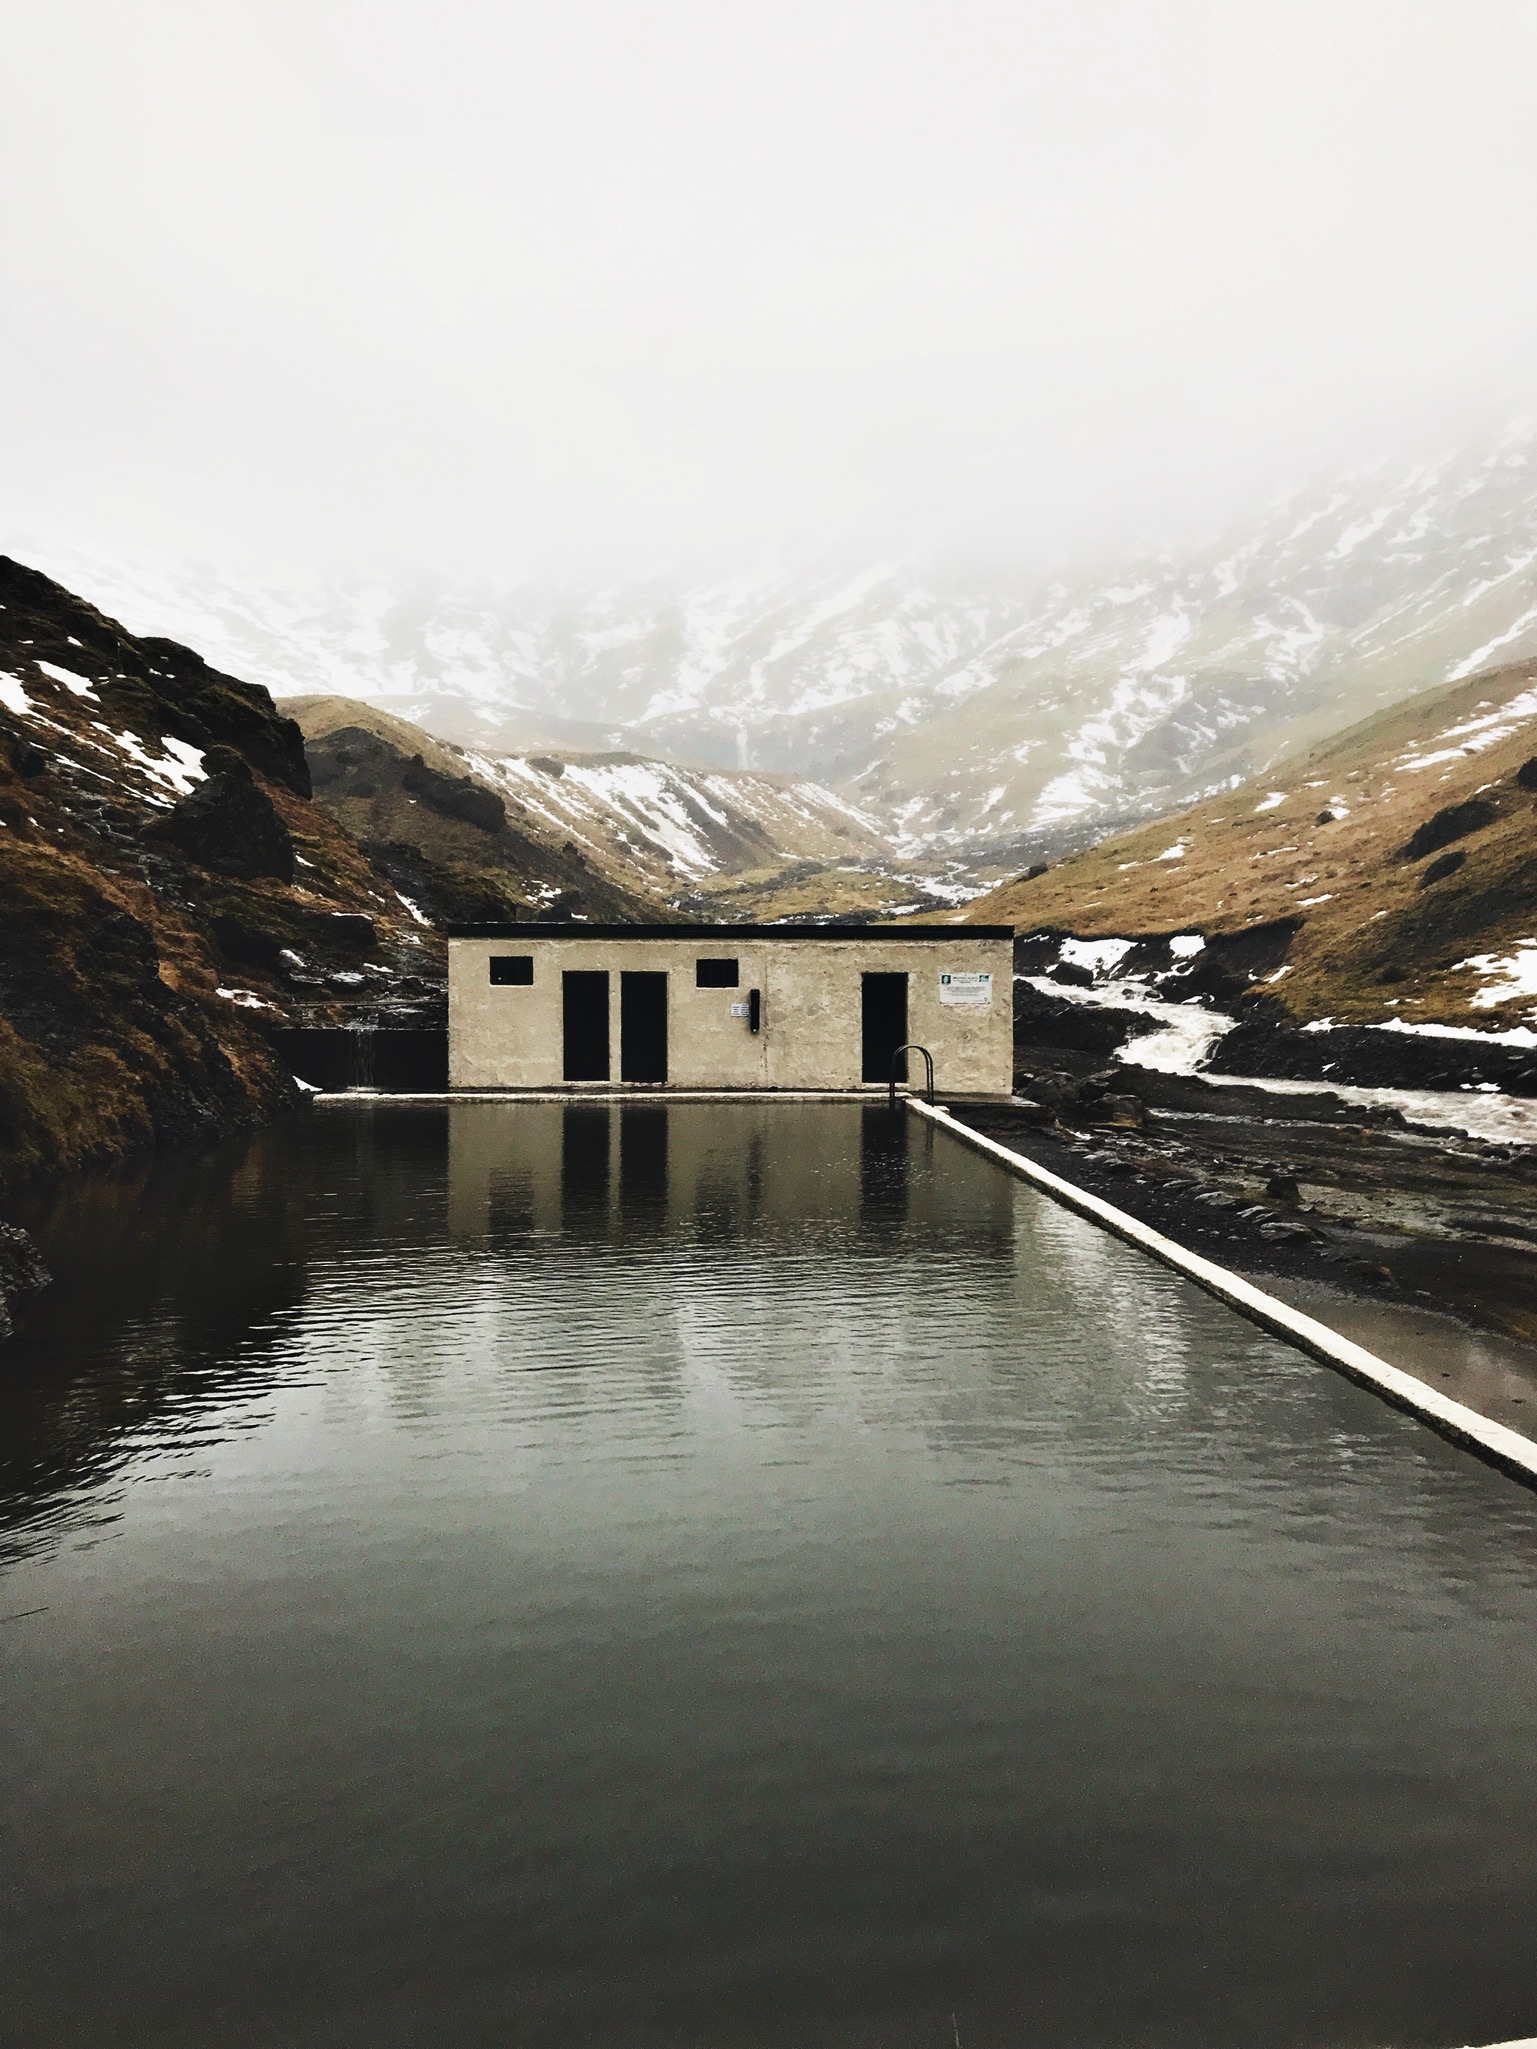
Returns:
(229, 824)
(455, 796)
(210, 709)
(1364, 1057)
(160, 686)
(1119, 1109)
(1034, 952)
(1451, 822)
(354, 930)
(1232, 960)
(1441, 867)
(1043, 1020)
(26, 757)
(447, 842)
(22, 1273)
(448, 893)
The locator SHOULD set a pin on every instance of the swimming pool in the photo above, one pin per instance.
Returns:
(728, 1574)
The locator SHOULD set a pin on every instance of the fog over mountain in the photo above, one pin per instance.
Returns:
(460, 338)
(586, 289)
(968, 715)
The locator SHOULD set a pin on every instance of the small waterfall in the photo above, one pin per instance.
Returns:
(364, 1047)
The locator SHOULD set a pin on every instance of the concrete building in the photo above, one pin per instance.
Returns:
(728, 1006)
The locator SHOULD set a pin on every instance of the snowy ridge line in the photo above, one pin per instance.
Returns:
(1492, 1442)
(676, 810)
(964, 707)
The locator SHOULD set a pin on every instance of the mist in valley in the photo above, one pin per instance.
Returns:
(1013, 417)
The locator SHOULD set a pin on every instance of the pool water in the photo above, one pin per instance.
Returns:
(726, 1574)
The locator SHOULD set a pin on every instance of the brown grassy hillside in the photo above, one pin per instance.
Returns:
(447, 838)
(611, 835)
(1405, 846)
(168, 891)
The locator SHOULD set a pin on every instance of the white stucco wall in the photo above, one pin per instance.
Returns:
(511, 1037)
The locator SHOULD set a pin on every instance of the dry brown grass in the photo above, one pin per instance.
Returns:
(1375, 942)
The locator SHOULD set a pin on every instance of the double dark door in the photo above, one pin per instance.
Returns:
(642, 1025)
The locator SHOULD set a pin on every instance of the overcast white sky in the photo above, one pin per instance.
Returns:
(584, 280)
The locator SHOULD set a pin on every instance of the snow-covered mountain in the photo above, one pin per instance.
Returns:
(964, 712)
(641, 823)
(1132, 694)
(793, 671)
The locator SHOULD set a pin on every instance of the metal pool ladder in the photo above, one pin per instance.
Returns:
(912, 1046)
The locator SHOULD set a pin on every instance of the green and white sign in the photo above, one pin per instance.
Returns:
(969, 989)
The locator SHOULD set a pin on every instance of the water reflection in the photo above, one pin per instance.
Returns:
(718, 1172)
(733, 1575)
(583, 1166)
(643, 1165)
(161, 1274)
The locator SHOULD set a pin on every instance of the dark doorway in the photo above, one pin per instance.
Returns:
(585, 1023)
(885, 1025)
(642, 1027)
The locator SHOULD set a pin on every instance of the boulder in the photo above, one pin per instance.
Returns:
(228, 824)
(1442, 866)
(1125, 1111)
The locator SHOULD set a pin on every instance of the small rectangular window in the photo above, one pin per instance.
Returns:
(715, 974)
(512, 970)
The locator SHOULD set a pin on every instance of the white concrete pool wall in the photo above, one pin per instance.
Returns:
(810, 986)
(1493, 1442)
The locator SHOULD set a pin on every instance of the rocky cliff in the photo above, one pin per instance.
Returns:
(169, 891)
(438, 824)
(604, 835)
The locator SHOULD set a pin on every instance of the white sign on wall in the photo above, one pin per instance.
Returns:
(965, 988)
(741, 1010)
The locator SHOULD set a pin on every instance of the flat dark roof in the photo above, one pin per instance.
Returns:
(722, 935)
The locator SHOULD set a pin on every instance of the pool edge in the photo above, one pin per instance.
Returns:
(1495, 1443)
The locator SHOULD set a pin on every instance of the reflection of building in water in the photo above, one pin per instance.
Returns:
(729, 1006)
(885, 1151)
(712, 1170)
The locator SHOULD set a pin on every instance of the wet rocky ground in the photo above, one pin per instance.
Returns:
(1420, 1243)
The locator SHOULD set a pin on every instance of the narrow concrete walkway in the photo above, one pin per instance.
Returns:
(1494, 1442)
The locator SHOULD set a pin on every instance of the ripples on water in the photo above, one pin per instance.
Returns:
(727, 1575)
